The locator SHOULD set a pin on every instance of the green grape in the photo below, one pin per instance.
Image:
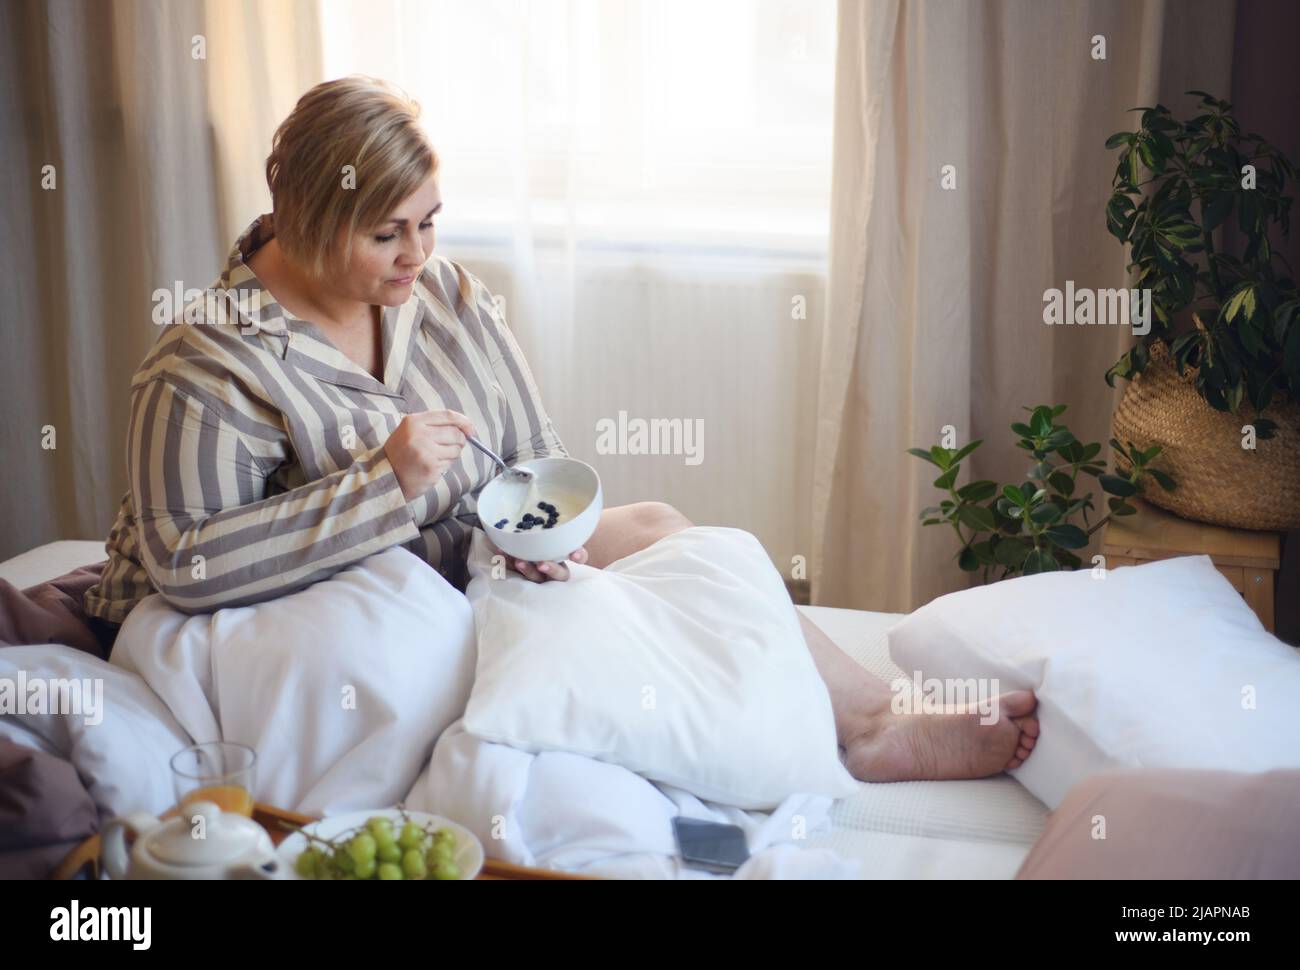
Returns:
(324, 867)
(441, 852)
(366, 870)
(305, 865)
(444, 835)
(389, 851)
(343, 860)
(412, 836)
(446, 870)
(390, 871)
(413, 864)
(379, 825)
(362, 847)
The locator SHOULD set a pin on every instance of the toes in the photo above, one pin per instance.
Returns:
(1027, 742)
(1012, 764)
(1028, 725)
(1018, 703)
(1022, 752)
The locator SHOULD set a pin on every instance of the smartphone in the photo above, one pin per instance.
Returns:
(710, 845)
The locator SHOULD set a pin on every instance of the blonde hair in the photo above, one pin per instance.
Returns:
(365, 122)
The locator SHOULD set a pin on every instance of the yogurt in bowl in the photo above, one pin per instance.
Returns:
(571, 503)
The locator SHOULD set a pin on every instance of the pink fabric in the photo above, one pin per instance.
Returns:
(1167, 824)
(45, 812)
(51, 612)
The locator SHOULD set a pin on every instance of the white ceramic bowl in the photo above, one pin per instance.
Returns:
(572, 486)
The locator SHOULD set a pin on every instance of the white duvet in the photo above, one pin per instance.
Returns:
(566, 811)
(352, 692)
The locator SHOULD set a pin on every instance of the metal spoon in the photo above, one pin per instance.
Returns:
(521, 475)
(525, 477)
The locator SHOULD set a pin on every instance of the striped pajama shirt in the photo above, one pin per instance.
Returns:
(255, 447)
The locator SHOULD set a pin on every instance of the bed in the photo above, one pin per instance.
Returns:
(978, 829)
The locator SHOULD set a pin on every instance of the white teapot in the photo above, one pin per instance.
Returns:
(222, 845)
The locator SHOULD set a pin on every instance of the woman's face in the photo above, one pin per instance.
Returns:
(387, 259)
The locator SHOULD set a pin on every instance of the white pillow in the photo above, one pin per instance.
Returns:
(120, 738)
(342, 688)
(1158, 665)
(684, 662)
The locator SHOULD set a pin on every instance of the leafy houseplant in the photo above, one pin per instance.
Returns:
(1026, 528)
(1176, 182)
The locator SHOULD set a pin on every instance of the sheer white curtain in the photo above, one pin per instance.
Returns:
(935, 293)
(646, 184)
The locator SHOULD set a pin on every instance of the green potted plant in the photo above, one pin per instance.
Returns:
(1033, 526)
(1215, 382)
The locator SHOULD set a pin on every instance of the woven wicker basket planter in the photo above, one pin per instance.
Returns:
(1218, 480)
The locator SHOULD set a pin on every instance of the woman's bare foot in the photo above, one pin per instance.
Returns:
(953, 744)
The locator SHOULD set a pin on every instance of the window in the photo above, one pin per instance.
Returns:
(623, 123)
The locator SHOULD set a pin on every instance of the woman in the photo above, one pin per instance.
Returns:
(313, 409)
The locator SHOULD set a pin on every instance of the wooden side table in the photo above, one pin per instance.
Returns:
(87, 853)
(1248, 559)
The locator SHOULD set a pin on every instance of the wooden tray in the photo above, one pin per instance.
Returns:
(87, 853)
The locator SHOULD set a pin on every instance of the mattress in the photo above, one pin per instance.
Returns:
(51, 560)
(980, 829)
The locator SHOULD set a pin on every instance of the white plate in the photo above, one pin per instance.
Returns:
(469, 851)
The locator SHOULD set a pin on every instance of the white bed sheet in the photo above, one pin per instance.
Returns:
(929, 829)
(51, 560)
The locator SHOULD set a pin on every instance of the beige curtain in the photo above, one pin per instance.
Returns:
(156, 116)
(935, 295)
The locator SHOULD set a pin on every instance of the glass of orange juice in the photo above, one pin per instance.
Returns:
(218, 771)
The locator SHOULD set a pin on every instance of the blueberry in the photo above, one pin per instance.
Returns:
(549, 525)
(502, 523)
